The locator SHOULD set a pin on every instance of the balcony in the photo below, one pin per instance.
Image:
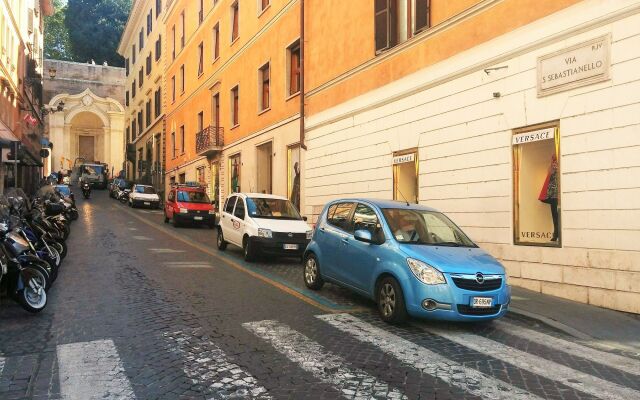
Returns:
(209, 141)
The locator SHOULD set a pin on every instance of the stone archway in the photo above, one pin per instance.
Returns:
(89, 126)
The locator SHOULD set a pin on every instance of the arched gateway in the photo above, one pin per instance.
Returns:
(89, 126)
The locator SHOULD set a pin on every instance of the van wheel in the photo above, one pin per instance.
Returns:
(312, 277)
(249, 250)
(222, 245)
(390, 300)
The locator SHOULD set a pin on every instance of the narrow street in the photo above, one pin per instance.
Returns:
(144, 310)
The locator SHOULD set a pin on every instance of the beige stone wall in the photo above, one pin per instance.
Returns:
(73, 78)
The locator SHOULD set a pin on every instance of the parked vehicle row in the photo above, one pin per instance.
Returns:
(33, 235)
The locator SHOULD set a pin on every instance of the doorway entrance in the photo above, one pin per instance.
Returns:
(405, 176)
(86, 147)
(265, 166)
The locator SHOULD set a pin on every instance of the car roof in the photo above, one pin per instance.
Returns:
(260, 196)
(385, 203)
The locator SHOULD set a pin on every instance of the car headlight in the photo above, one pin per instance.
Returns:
(309, 235)
(425, 272)
(211, 212)
(183, 211)
(265, 233)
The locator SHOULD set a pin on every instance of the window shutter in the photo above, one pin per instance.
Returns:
(382, 24)
(422, 14)
(30, 21)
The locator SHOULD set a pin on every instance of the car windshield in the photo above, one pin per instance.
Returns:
(425, 227)
(92, 169)
(193, 197)
(145, 189)
(260, 207)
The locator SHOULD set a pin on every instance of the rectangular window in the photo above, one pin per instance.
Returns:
(405, 176)
(126, 67)
(235, 15)
(173, 144)
(158, 102)
(150, 22)
(385, 26)
(200, 175)
(264, 80)
(263, 4)
(133, 89)
(133, 54)
(294, 75)
(216, 41)
(397, 20)
(182, 139)
(141, 40)
(182, 78)
(200, 58)
(134, 126)
(173, 88)
(158, 47)
(215, 105)
(128, 137)
(182, 178)
(140, 123)
(201, 12)
(235, 106)
(149, 64)
(234, 174)
(536, 185)
(126, 98)
(158, 8)
(200, 121)
(173, 41)
(422, 10)
(182, 38)
(141, 77)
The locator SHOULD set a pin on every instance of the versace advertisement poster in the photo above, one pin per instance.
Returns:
(537, 186)
(234, 173)
(293, 178)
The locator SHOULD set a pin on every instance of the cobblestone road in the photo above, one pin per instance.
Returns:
(142, 310)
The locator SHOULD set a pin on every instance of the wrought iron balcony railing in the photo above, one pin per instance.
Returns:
(210, 140)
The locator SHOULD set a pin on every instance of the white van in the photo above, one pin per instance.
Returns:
(263, 224)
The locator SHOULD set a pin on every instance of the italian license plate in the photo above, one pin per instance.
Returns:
(291, 247)
(147, 203)
(197, 218)
(481, 302)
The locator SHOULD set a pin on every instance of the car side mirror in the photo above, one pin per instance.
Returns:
(305, 218)
(363, 236)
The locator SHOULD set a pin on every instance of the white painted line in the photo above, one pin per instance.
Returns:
(153, 250)
(529, 362)
(622, 363)
(211, 368)
(328, 367)
(92, 370)
(426, 361)
(141, 238)
(133, 229)
(187, 264)
(1, 365)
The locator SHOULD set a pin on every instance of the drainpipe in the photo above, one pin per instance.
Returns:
(302, 144)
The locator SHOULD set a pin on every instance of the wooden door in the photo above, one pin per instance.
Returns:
(86, 148)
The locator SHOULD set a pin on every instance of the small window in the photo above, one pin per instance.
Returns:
(201, 12)
(158, 8)
(365, 218)
(235, 107)
(200, 121)
(182, 78)
(173, 144)
(141, 40)
(140, 77)
(239, 211)
(263, 4)
(200, 58)
(235, 15)
(149, 64)
(422, 11)
(126, 99)
(158, 102)
(338, 216)
(216, 41)
(182, 139)
(133, 54)
(126, 67)
(229, 204)
(293, 58)
(148, 113)
(149, 22)
(173, 41)
(158, 47)
(133, 89)
(182, 178)
(182, 42)
(265, 76)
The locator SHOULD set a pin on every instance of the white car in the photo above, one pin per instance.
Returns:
(144, 196)
(263, 224)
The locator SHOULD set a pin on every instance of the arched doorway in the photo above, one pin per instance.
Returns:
(87, 136)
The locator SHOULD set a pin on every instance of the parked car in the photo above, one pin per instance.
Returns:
(263, 224)
(410, 259)
(189, 204)
(144, 196)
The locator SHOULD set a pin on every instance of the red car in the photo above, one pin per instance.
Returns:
(189, 204)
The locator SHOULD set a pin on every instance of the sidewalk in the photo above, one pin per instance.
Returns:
(604, 327)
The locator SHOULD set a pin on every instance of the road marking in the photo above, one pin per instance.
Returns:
(163, 251)
(307, 296)
(426, 361)
(326, 366)
(187, 264)
(92, 370)
(609, 359)
(1, 365)
(133, 229)
(141, 238)
(557, 372)
(211, 368)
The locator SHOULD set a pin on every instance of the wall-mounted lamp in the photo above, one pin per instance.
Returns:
(51, 110)
(52, 73)
(488, 71)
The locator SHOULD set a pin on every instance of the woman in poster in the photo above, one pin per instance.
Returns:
(549, 194)
(235, 176)
(295, 190)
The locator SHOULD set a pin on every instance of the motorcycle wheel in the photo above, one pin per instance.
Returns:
(74, 214)
(66, 231)
(33, 298)
(61, 247)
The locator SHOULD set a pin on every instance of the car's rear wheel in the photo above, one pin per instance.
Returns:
(222, 244)
(176, 224)
(166, 219)
(391, 305)
(249, 250)
(312, 277)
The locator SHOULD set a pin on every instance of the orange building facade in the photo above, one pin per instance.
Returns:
(517, 118)
(232, 83)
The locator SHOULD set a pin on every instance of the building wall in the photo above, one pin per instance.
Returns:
(463, 133)
(263, 37)
(73, 77)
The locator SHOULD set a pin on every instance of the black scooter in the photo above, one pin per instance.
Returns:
(86, 190)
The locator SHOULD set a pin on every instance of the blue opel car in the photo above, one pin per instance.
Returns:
(410, 259)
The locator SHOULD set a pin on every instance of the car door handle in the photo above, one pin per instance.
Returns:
(345, 240)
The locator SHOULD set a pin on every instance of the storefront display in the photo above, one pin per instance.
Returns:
(405, 176)
(234, 173)
(536, 179)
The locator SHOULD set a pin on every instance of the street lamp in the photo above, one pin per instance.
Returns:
(51, 110)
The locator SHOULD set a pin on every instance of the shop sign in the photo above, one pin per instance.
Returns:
(534, 136)
(576, 66)
(404, 158)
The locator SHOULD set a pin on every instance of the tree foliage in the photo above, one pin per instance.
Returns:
(56, 34)
(95, 27)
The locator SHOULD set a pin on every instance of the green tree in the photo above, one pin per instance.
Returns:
(56, 35)
(95, 27)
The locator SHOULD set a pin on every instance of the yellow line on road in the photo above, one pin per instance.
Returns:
(239, 267)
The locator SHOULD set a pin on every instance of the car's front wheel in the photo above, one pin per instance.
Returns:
(312, 277)
(222, 244)
(249, 250)
(391, 305)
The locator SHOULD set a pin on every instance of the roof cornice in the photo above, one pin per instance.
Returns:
(134, 17)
